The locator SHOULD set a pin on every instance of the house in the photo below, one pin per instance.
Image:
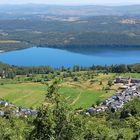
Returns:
(91, 110)
(134, 80)
(137, 85)
(133, 88)
(34, 112)
(3, 103)
(122, 80)
(126, 80)
(2, 113)
(123, 87)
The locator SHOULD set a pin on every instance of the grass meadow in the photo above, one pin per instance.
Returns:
(80, 94)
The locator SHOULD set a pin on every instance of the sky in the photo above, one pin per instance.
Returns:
(73, 2)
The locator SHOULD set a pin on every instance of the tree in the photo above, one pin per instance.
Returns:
(110, 83)
(55, 120)
(101, 83)
(14, 128)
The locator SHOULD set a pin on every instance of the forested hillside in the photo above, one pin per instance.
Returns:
(22, 30)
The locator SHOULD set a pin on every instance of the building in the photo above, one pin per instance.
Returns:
(123, 80)
(126, 80)
(135, 80)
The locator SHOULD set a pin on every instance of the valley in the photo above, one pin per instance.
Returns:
(69, 72)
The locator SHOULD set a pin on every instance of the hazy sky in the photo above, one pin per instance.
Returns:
(68, 2)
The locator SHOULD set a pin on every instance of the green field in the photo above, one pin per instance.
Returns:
(134, 75)
(28, 94)
(83, 98)
(32, 95)
(80, 94)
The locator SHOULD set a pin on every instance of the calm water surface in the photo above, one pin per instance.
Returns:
(57, 58)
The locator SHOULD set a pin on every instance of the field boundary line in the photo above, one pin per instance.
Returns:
(77, 98)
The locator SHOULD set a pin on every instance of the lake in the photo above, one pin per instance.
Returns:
(56, 58)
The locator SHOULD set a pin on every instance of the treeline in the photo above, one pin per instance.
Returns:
(8, 71)
(63, 39)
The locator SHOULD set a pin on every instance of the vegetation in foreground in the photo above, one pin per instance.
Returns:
(57, 121)
(58, 117)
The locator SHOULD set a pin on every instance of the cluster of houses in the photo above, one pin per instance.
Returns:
(127, 80)
(7, 108)
(119, 99)
(24, 112)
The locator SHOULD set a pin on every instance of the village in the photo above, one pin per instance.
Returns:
(129, 90)
(9, 108)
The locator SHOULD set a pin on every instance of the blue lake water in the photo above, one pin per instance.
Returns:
(57, 58)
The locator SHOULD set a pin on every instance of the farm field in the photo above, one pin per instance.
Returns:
(32, 95)
(80, 94)
(25, 94)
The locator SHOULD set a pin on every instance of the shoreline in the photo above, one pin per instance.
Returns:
(1, 51)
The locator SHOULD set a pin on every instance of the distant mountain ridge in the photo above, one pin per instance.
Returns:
(88, 10)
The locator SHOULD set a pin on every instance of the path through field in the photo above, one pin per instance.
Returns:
(78, 97)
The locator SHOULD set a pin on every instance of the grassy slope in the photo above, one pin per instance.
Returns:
(32, 95)
(28, 94)
(82, 94)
